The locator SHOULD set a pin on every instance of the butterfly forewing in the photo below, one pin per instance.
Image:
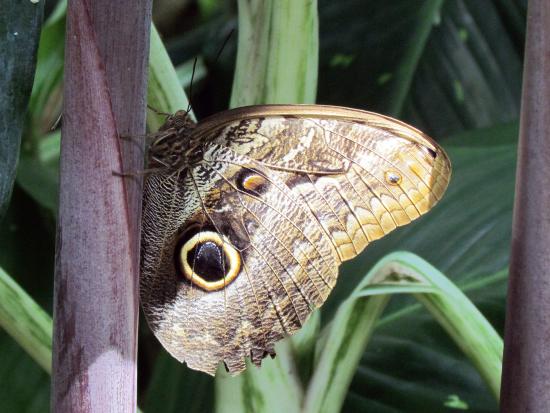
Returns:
(242, 240)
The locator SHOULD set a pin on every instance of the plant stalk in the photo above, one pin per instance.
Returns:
(525, 379)
(97, 251)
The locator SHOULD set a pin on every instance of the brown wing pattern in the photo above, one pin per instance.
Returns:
(280, 197)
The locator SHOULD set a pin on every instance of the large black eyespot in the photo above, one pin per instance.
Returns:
(208, 260)
(251, 181)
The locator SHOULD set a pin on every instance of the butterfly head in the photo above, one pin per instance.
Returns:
(178, 121)
(172, 145)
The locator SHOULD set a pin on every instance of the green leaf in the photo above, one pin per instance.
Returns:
(356, 317)
(304, 344)
(274, 387)
(20, 22)
(277, 54)
(25, 321)
(452, 309)
(343, 345)
(470, 73)
(411, 57)
(428, 14)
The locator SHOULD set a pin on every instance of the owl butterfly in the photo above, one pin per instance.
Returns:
(248, 214)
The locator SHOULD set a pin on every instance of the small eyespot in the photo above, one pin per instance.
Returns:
(430, 152)
(208, 260)
(252, 182)
(393, 178)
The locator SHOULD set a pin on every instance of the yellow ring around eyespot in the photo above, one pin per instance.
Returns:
(232, 254)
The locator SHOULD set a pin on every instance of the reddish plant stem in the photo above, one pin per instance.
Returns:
(526, 369)
(97, 257)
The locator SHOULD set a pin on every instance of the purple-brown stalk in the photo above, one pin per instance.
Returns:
(526, 370)
(97, 257)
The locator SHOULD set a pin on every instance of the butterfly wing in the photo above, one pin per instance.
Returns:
(240, 247)
(363, 174)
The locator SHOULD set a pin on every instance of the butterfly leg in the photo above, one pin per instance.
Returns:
(158, 112)
(136, 174)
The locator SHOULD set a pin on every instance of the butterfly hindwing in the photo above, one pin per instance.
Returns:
(243, 240)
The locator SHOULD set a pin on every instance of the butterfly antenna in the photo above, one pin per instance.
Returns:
(191, 85)
(195, 67)
(224, 44)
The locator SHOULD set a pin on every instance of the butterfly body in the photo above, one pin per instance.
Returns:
(252, 211)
